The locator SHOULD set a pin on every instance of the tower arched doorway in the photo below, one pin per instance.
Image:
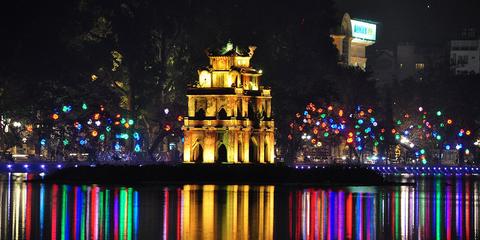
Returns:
(222, 153)
(197, 156)
(222, 114)
(253, 151)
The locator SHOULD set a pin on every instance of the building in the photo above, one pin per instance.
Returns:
(351, 40)
(229, 112)
(465, 53)
(419, 61)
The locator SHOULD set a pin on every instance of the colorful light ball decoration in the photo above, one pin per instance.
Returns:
(436, 131)
(330, 125)
(96, 127)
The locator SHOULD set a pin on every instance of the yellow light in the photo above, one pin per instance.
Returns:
(94, 133)
(94, 77)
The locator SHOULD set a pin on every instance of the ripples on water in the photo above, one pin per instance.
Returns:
(432, 209)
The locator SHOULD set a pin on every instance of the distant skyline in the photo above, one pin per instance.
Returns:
(421, 21)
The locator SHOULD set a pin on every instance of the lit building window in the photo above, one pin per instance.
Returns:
(419, 66)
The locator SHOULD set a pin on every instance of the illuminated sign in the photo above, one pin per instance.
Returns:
(364, 30)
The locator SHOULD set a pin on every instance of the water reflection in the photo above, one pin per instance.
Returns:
(432, 209)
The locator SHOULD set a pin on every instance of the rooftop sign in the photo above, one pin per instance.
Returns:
(364, 30)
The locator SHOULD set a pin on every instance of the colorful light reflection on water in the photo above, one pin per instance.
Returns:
(432, 209)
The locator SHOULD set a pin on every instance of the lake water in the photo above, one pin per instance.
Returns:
(430, 209)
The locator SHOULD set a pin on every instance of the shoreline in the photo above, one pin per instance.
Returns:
(216, 174)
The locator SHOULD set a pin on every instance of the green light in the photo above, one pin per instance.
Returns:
(399, 122)
(122, 212)
(357, 127)
(438, 199)
(439, 113)
(84, 106)
(382, 138)
(439, 137)
(397, 136)
(325, 134)
(357, 133)
(108, 128)
(84, 210)
(130, 211)
(323, 115)
(107, 214)
(442, 125)
(130, 121)
(102, 137)
(424, 161)
(375, 143)
(422, 151)
(64, 212)
(123, 121)
(65, 142)
(419, 126)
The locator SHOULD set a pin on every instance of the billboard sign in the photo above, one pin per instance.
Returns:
(364, 30)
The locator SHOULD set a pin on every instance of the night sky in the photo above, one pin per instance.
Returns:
(422, 21)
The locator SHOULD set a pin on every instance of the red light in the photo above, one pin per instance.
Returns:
(167, 127)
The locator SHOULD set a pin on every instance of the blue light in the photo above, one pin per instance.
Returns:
(25, 166)
(136, 136)
(460, 134)
(42, 166)
(43, 142)
(459, 146)
(447, 147)
(305, 113)
(59, 166)
(9, 166)
(83, 141)
(359, 148)
(360, 121)
(117, 146)
(79, 126)
(137, 148)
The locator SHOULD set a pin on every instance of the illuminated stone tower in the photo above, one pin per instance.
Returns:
(229, 114)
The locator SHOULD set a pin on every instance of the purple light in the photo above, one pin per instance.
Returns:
(25, 166)
(59, 166)
(9, 166)
(42, 166)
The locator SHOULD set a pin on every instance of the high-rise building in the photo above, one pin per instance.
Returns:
(229, 112)
(351, 40)
(465, 53)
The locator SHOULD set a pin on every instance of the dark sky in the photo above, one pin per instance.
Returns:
(422, 21)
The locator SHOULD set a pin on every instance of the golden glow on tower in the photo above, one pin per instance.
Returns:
(229, 112)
